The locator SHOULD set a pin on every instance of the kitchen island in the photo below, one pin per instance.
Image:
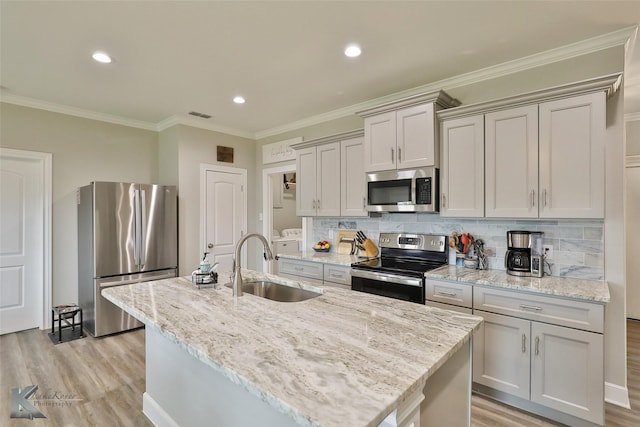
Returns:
(342, 358)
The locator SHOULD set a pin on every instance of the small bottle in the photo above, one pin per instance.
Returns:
(204, 264)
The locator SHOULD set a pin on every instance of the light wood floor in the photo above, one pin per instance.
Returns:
(99, 382)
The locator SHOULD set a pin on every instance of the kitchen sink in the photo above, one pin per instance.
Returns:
(276, 291)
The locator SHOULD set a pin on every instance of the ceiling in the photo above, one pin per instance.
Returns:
(285, 58)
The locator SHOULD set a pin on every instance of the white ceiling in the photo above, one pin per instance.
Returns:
(284, 57)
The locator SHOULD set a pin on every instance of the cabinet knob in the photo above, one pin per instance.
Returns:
(537, 346)
(399, 154)
(210, 245)
(533, 198)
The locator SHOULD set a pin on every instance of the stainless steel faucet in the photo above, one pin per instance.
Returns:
(237, 276)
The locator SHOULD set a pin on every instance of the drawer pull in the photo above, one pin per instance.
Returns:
(530, 307)
(524, 343)
(537, 345)
(446, 294)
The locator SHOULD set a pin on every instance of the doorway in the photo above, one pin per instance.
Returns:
(223, 213)
(278, 207)
(25, 246)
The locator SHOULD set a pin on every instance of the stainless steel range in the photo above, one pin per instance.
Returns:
(399, 270)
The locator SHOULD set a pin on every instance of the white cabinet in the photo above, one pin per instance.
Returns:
(511, 163)
(403, 134)
(551, 167)
(462, 174)
(520, 352)
(572, 136)
(318, 176)
(315, 272)
(353, 196)
(330, 176)
(543, 154)
(400, 139)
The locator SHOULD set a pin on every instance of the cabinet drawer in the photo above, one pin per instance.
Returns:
(312, 270)
(464, 310)
(337, 274)
(449, 293)
(557, 311)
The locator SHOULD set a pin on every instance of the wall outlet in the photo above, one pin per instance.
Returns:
(547, 251)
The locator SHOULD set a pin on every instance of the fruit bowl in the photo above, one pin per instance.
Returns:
(322, 250)
(322, 246)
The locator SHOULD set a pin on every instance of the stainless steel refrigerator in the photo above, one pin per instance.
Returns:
(127, 233)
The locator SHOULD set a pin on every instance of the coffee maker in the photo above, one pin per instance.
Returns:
(521, 247)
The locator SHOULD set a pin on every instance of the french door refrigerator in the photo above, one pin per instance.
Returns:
(127, 233)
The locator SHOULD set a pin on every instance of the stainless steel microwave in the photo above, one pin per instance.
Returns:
(411, 190)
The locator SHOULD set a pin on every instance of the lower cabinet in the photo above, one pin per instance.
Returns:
(315, 272)
(540, 353)
(560, 368)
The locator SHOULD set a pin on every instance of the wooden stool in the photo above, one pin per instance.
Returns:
(66, 314)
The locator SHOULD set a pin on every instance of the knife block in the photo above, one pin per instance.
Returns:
(370, 249)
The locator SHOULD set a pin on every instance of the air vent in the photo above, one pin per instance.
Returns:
(195, 113)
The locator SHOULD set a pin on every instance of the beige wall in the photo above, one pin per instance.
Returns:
(83, 151)
(195, 147)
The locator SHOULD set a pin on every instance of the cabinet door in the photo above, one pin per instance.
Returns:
(306, 181)
(501, 354)
(567, 371)
(572, 134)
(328, 180)
(353, 184)
(415, 135)
(462, 167)
(511, 163)
(380, 142)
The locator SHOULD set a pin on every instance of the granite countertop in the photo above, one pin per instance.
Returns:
(343, 358)
(324, 257)
(590, 290)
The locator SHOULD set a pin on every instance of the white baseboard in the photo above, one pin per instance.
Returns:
(155, 413)
(616, 395)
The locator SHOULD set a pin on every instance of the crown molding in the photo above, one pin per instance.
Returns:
(632, 117)
(584, 47)
(24, 101)
(355, 133)
(201, 124)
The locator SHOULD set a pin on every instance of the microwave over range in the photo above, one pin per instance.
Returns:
(410, 190)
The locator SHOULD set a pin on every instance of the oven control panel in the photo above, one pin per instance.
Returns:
(424, 242)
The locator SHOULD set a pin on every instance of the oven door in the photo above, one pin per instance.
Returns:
(389, 285)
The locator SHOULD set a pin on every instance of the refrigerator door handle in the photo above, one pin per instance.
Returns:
(137, 227)
(143, 227)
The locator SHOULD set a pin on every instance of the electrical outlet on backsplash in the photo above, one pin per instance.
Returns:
(578, 244)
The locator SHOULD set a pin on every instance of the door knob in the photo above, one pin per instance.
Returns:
(210, 245)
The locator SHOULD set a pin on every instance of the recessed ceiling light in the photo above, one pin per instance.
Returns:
(353, 50)
(101, 57)
(239, 100)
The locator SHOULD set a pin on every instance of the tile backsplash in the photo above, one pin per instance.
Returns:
(578, 245)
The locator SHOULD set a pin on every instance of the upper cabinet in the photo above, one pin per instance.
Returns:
(403, 134)
(543, 154)
(318, 176)
(511, 163)
(462, 174)
(353, 196)
(330, 176)
(572, 148)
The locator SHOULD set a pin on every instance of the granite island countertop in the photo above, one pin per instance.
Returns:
(582, 289)
(343, 358)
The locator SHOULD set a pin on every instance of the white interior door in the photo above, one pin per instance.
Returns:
(22, 241)
(225, 217)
